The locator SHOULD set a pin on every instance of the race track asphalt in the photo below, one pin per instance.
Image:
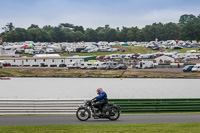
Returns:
(72, 120)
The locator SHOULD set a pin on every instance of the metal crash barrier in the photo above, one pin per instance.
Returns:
(157, 105)
(26, 107)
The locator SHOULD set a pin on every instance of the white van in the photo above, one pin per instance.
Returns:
(145, 64)
(86, 65)
(73, 65)
(196, 68)
(113, 56)
(100, 65)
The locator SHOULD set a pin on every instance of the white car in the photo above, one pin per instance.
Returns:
(196, 68)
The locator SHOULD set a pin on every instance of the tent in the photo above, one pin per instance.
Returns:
(125, 44)
(95, 44)
(25, 46)
(31, 46)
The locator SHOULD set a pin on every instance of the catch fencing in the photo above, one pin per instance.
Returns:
(27, 107)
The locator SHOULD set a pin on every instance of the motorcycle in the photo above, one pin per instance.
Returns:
(110, 111)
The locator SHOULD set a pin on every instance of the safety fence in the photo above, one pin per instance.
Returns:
(26, 107)
(157, 105)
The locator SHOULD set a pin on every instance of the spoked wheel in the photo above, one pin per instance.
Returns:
(114, 113)
(82, 114)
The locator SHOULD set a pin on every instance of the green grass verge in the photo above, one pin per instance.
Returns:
(122, 128)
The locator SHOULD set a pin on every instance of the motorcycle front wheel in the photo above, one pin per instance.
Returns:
(83, 114)
(114, 113)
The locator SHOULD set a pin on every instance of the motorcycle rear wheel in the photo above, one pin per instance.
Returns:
(83, 114)
(114, 113)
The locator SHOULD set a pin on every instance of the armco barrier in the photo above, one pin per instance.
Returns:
(157, 105)
(26, 107)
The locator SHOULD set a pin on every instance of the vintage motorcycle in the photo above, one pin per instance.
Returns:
(84, 112)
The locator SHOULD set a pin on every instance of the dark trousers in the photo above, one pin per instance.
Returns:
(100, 105)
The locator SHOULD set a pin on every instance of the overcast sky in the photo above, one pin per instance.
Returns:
(94, 13)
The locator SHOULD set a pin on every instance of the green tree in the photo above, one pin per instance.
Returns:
(79, 28)
(101, 34)
(111, 35)
(123, 34)
(132, 34)
(91, 35)
(184, 19)
(8, 27)
(34, 34)
(171, 31)
(78, 36)
(21, 34)
(33, 26)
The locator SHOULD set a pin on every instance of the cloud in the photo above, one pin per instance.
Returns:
(94, 13)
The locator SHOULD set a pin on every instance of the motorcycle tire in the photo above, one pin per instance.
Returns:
(83, 114)
(114, 113)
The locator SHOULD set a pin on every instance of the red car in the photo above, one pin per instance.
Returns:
(6, 64)
(100, 57)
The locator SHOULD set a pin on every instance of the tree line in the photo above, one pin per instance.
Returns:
(188, 28)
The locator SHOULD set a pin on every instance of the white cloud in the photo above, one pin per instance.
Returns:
(92, 19)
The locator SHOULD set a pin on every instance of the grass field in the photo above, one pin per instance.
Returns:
(128, 50)
(184, 50)
(123, 128)
(63, 72)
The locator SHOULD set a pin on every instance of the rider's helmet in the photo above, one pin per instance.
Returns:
(99, 90)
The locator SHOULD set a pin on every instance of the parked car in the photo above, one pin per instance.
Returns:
(186, 59)
(188, 68)
(100, 57)
(106, 57)
(196, 68)
(177, 47)
(120, 67)
(84, 51)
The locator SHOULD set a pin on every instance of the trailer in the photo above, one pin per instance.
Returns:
(145, 64)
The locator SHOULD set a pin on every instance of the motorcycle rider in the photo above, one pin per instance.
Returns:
(102, 98)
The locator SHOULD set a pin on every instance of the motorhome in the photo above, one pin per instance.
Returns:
(99, 65)
(145, 64)
(111, 64)
(86, 65)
